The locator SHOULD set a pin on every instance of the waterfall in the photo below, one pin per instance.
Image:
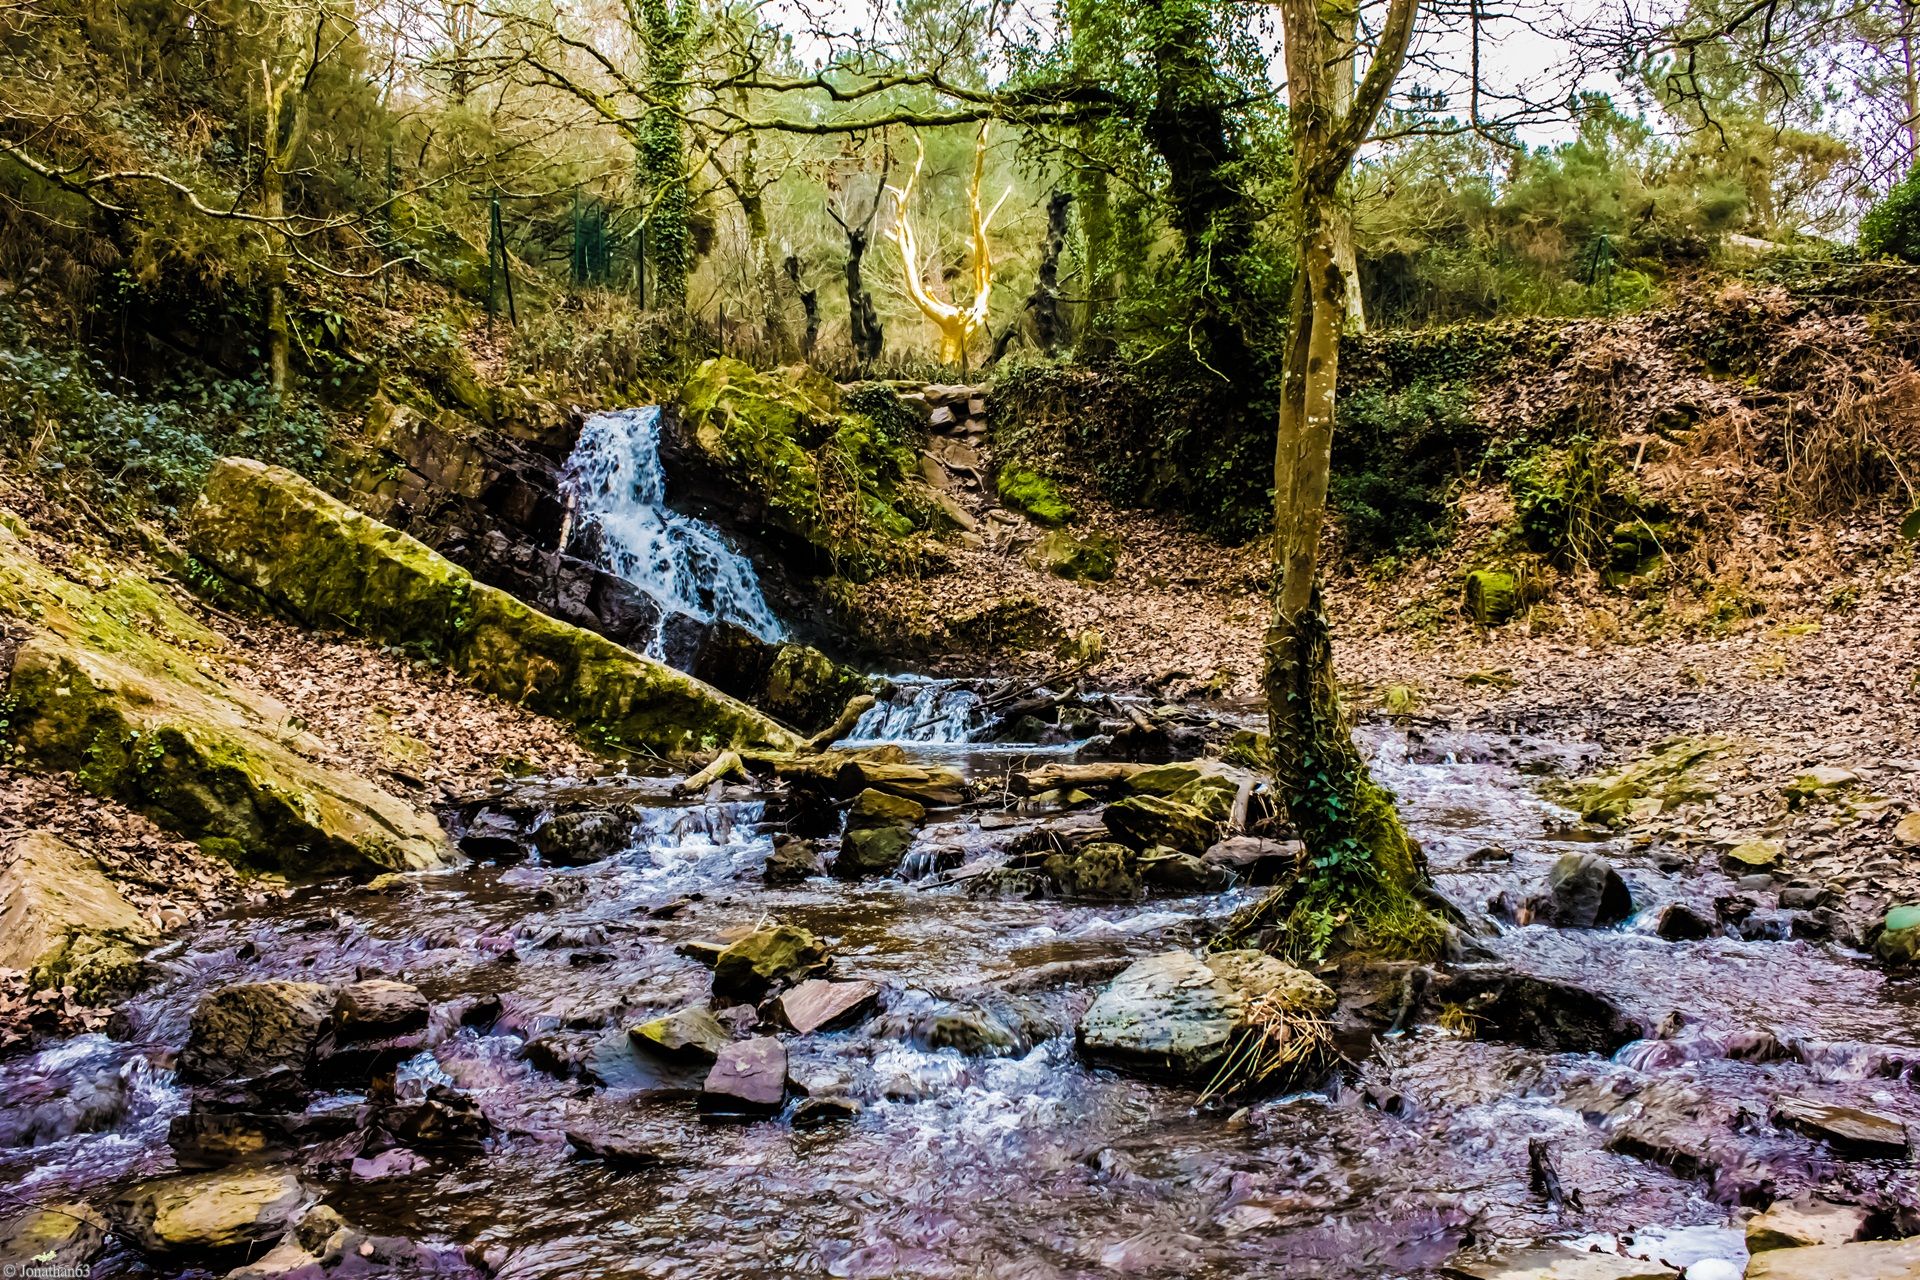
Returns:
(916, 709)
(685, 564)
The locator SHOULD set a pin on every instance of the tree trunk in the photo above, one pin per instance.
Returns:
(273, 203)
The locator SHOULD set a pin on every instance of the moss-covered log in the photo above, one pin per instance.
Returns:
(330, 565)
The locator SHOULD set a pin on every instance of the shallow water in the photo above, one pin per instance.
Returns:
(1027, 1164)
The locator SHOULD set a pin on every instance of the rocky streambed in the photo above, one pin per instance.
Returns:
(649, 1035)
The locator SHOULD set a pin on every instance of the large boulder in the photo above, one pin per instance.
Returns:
(1143, 821)
(780, 956)
(1099, 870)
(64, 922)
(67, 1235)
(793, 683)
(111, 685)
(210, 1213)
(330, 565)
(879, 832)
(1861, 1260)
(251, 1028)
(1176, 1015)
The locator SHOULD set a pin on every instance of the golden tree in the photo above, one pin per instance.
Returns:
(957, 324)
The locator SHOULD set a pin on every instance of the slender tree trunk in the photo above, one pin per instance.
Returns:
(273, 203)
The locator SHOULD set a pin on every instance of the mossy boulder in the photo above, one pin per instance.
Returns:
(1102, 869)
(794, 683)
(65, 923)
(1145, 821)
(1658, 782)
(780, 956)
(835, 470)
(1034, 495)
(330, 565)
(113, 685)
(1091, 558)
(872, 851)
(1492, 596)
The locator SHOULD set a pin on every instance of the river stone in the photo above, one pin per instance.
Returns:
(1907, 830)
(1898, 941)
(1099, 870)
(1143, 821)
(872, 851)
(935, 786)
(64, 922)
(1175, 1014)
(251, 1028)
(1252, 860)
(815, 1112)
(792, 861)
(1794, 1224)
(378, 1007)
(783, 954)
(1557, 1262)
(582, 837)
(1850, 1130)
(1182, 872)
(1165, 779)
(749, 1078)
(1586, 892)
(686, 1033)
(1681, 923)
(65, 1235)
(200, 1213)
(1753, 858)
(1861, 1260)
(817, 1003)
(876, 808)
(614, 1149)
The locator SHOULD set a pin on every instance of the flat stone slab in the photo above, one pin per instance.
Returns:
(1849, 1129)
(686, 1033)
(818, 1003)
(379, 1007)
(1795, 1224)
(1865, 1260)
(1557, 1262)
(748, 1079)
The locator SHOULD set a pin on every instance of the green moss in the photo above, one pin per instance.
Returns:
(1033, 494)
(834, 470)
(1492, 596)
(1092, 558)
(1655, 783)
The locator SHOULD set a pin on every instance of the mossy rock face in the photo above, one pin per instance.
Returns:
(794, 683)
(1492, 596)
(109, 686)
(330, 565)
(1099, 870)
(1092, 558)
(1032, 494)
(783, 955)
(835, 471)
(1145, 821)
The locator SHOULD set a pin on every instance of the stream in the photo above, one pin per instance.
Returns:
(983, 1145)
(1015, 1160)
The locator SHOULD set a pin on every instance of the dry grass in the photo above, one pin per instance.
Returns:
(1276, 1046)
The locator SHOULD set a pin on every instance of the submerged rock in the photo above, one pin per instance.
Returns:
(1176, 1015)
(64, 922)
(748, 1080)
(251, 1028)
(782, 955)
(614, 1149)
(205, 1213)
(1585, 892)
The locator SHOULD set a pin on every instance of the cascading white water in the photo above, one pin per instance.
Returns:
(685, 564)
(921, 710)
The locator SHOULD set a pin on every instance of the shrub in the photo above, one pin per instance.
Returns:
(1891, 228)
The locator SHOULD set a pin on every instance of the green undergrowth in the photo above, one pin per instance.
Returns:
(1034, 494)
(833, 469)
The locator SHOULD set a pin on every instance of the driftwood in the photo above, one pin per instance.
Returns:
(1085, 777)
(726, 764)
(840, 728)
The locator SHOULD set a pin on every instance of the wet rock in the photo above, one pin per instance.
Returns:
(749, 1079)
(813, 1113)
(1556, 1262)
(394, 1162)
(1100, 870)
(1251, 860)
(872, 851)
(67, 1234)
(1755, 857)
(1804, 895)
(876, 808)
(581, 837)
(1557, 1017)
(492, 836)
(783, 955)
(1793, 1224)
(968, 1030)
(64, 922)
(1863, 1260)
(690, 1034)
(251, 1028)
(934, 786)
(347, 1254)
(792, 861)
(210, 1213)
(1681, 923)
(614, 1149)
(1143, 821)
(217, 1139)
(1585, 892)
(1850, 1130)
(1897, 941)
(378, 1007)
(443, 1119)
(817, 1004)
(1182, 872)
(1175, 1014)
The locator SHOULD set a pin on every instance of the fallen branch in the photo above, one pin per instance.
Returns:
(849, 716)
(726, 764)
